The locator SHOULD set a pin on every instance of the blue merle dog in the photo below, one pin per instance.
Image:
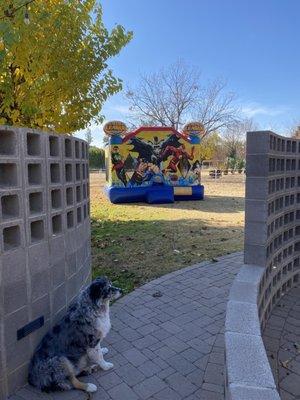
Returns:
(72, 347)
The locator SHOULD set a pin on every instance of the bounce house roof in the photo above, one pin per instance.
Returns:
(130, 135)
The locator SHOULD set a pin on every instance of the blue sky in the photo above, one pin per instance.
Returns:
(253, 45)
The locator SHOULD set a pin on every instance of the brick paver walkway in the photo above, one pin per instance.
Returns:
(167, 339)
(282, 341)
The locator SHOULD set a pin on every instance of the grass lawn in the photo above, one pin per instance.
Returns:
(138, 242)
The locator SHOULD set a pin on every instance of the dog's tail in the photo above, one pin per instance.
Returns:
(49, 374)
(56, 373)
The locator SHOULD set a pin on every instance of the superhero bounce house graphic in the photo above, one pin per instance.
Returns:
(153, 164)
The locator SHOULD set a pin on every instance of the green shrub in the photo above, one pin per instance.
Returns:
(97, 157)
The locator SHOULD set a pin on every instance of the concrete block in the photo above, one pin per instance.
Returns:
(246, 361)
(255, 254)
(68, 148)
(244, 292)
(59, 298)
(41, 307)
(256, 232)
(57, 249)
(242, 317)
(54, 146)
(38, 255)
(257, 188)
(71, 263)
(9, 174)
(12, 235)
(239, 392)
(56, 224)
(34, 144)
(258, 142)
(35, 173)
(69, 174)
(35, 202)
(13, 322)
(257, 165)
(250, 274)
(58, 272)
(54, 173)
(17, 353)
(15, 295)
(8, 142)
(256, 211)
(17, 378)
(10, 205)
(40, 283)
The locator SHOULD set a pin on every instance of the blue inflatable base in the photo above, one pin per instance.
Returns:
(156, 194)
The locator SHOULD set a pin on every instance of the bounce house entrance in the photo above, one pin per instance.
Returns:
(153, 164)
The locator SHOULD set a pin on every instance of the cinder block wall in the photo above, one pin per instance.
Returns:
(272, 224)
(272, 253)
(44, 238)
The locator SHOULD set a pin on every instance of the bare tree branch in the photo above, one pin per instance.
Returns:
(173, 96)
(234, 138)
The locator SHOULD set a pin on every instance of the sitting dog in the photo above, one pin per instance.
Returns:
(72, 347)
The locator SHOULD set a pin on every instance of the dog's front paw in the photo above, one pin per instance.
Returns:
(106, 366)
(91, 388)
(104, 350)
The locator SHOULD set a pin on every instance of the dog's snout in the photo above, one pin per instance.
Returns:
(116, 289)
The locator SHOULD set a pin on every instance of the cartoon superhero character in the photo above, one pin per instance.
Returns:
(118, 165)
(151, 151)
(179, 160)
(153, 175)
(137, 177)
(196, 169)
(156, 149)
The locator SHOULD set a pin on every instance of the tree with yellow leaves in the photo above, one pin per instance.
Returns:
(53, 63)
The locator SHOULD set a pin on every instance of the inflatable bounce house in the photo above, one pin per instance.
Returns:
(153, 164)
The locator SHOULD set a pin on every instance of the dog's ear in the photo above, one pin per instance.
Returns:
(96, 289)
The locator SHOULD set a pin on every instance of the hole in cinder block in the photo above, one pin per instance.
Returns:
(87, 170)
(33, 144)
(84, 190)
(68, 172)
(56, 198)
(53, 146)
(7, 143)
(84, 211)
(11, 237)
(77, 149)
(88, 190)
(36, 202)
(56, 224)
(83, 171)
(79, 215)
(69, 196)
(77, 172)
(70, 219)
(10, 206)
(68, 148)
(34, 174)
(37, 231)
(78, 194)
(8, 174)
(82, 150)
(54, 173)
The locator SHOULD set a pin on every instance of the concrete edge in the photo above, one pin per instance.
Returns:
(248, 374)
